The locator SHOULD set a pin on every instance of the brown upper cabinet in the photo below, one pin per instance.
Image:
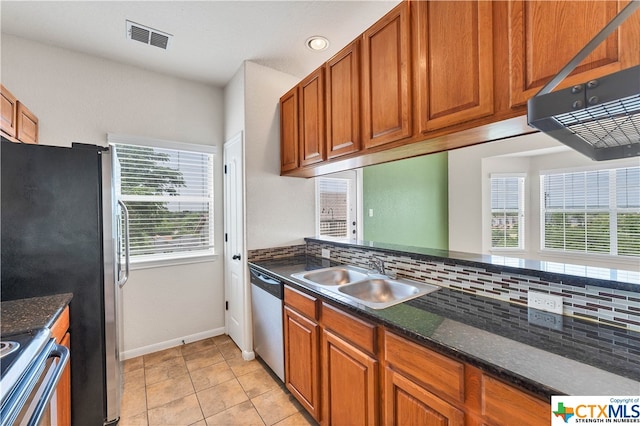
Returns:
(453, 60)
(545, 35)
(387, 79)
(18, 123)
(343, 101)
(27, 125)
(439, 75)
(289, 137)
(9, 108)
(311, 118)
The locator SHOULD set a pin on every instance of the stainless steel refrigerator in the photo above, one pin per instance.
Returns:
(58, 236)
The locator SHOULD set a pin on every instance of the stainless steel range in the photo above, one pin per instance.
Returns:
(30, 367)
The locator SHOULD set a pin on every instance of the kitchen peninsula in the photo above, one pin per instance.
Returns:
(487, 345)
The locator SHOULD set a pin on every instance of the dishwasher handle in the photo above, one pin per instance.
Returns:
(265, 279)
(269, 284)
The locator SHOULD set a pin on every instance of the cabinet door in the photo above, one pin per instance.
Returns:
(9, 108)
(63, 393)
(289, 136)
(302, 376)
(545, 35)
(27, 128)
(386, 79)
(350, 392)
(343, 101)
(312, 124)
(500, 399)
(453, 43)
(407, 403)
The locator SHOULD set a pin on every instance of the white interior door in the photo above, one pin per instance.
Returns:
(339, 205)
(237, 293)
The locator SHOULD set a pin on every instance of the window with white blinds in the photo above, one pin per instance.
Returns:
(595, 212)
(169, 195)
(507, 212)
(333, 207)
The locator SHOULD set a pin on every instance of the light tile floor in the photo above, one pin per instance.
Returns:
(205, 383)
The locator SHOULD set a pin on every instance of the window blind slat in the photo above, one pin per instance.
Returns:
(580, 215)
(169, 195)
(507, 212)
(333, 196)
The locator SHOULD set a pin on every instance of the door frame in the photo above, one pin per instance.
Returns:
(245, 340)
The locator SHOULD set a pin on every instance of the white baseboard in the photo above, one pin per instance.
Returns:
(248, 355)
(132, 353)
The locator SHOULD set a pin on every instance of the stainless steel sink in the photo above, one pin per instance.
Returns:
(335, 276)
(375, 291)
(379, 293)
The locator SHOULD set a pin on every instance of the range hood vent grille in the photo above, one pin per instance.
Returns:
(614, 124)
(148, 35)
(600, 119)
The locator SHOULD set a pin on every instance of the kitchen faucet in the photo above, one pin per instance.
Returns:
(377, 264)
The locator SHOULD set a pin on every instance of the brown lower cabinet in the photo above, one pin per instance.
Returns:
(302, 354)
(350, 369)
(59, 330)
(346, 370)
(407, 403)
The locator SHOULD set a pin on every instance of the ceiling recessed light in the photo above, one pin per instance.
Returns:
(317, 43)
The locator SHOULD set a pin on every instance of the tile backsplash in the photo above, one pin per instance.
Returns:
(609, 306)
(277, 253)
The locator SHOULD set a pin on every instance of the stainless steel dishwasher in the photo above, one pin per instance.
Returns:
(267, 295)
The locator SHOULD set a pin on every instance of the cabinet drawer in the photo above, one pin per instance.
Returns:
(438, 373)
(353, 329)
(500, 399)
(60, 327)
(303, 303)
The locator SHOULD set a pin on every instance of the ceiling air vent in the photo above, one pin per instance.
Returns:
(148, 35)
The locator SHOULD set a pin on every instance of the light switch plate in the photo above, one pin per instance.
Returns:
(545, 302)
(326, 253)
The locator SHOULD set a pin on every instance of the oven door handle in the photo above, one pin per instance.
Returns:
(61, 352)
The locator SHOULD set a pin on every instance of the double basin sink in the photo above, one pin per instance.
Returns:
(372, 290)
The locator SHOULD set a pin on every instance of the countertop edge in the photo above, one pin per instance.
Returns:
(24, 315)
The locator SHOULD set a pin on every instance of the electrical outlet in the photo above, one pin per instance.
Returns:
(545, 302)
(326, 253)
(545, 319)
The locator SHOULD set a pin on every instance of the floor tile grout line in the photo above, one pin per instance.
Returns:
(194, 388)
(237, 376)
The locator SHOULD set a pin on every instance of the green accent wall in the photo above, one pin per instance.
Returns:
(409, 199)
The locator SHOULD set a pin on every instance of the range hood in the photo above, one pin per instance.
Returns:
(600, 118)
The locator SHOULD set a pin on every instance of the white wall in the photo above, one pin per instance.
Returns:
(469, 192)
(234, 115)
(280, 210)
(79, 98)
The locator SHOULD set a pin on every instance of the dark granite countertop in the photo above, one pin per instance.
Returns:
(572, 357)
(571, 274)
(23, 315)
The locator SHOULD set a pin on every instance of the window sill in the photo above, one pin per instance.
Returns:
(594, 260)
(161, 263)
(514, 251)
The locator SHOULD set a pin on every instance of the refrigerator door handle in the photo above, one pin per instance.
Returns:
(122, 279)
